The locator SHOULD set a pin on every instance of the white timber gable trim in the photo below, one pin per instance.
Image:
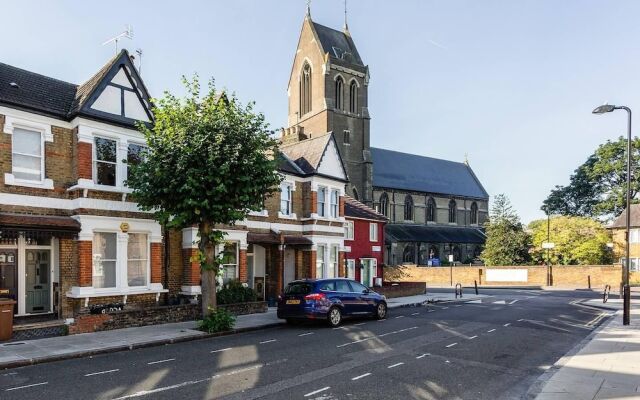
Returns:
(120, 97)
(330, 163)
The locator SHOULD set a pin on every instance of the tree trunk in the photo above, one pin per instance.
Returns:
(208, 274)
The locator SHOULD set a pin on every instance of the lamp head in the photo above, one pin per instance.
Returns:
(605, 108)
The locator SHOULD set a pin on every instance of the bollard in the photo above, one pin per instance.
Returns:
(458, 290)
(589, 280)
(605, 295)
(475, 283)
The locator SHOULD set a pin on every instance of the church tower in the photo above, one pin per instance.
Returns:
(328, 92)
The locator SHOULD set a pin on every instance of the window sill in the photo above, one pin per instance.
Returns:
(10, 180)
(328, 219)
(285, 216)
(82, 292)
(87, 184)
(263, 213)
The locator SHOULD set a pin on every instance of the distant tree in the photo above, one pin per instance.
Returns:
(507, 241)
(597, 188)
(210, 160)
(577, 240)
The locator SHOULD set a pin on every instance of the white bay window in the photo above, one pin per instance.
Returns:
(137, 259)
(105, 161)
(105, 258)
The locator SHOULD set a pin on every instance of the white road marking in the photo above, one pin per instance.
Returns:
(500, 302)
(161, 361)
(102, 372)
(395, 365)
(306, 334)
(339, 327)
(451, 345)
(473, 337)
(507, 324)
(361, 323)
(513, 302)
(423, 355)
(520, 320)
(447, 361)
(317, 391)
(10, 373)
(474, 302)
(382, 320)
(373, 337)
(221, 350)
(399, 316)
(26, 386)
(360, 376)
(444, 308)
(458, 305)
(415, 313)
(490, 330)
(431, 311)
(268, 341)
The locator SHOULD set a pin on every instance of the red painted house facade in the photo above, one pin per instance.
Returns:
(364, 242)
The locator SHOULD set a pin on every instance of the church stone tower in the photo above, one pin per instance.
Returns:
(328, 92)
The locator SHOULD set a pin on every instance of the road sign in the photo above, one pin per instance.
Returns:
(548, 245)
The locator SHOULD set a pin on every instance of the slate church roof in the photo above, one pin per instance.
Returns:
(338, 44)
(396, 170)
(433, 234)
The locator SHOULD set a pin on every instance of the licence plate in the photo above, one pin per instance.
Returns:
(293, 301)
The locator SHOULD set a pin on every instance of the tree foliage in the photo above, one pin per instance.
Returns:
(210, 160)
(597, 188)
(507, 242)
(577, 240)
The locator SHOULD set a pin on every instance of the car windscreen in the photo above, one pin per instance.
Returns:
(298, 288)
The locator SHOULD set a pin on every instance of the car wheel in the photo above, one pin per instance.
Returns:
(334, 317)
(381, 311)
(291, 321)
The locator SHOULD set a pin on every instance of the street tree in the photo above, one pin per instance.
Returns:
(577, 241)
(597, 188)
(210, 161)
(507, 241)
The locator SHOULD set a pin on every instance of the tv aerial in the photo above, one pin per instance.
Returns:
(127, 34)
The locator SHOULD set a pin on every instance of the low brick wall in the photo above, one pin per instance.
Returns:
(581, 276)
(401, 289)
(153, 316)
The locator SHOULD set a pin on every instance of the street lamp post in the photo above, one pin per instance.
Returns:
(607, 108)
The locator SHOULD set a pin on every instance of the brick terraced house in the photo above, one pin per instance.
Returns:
(72, 238)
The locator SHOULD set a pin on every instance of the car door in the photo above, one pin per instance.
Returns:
(347, 296)
(361, 294)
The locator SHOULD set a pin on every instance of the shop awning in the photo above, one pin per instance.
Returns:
(433, 234)
(11, 225)
(274, 238)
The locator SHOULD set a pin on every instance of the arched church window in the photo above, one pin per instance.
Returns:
(353, 97)
(408, 255)
(305, 89)
(339, 93)
(474, 213)
(431, 210)
(452, 211)
(408, 208)
(384, 204)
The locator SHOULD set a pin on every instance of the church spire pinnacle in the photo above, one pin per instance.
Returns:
(308, 8)
(346, 26)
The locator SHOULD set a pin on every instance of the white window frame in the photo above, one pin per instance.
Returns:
(334, 210)
(322, 205)
(321, 260)
(349, 232)
(289, 214)
(147, 263)
(10, 124)
(351, 269)
(373, 231)
(634, 236)
(117, 261)
(334, 260)
(95, 161)
(126, 167)
(237, 264)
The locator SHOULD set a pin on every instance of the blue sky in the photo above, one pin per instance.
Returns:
(510, 83)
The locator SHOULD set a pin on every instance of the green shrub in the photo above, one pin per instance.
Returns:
(234, 292)
(218, 320)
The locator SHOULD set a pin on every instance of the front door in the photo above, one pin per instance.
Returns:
(38, 281)
(368, 271)
(9, 275)
(289, 266)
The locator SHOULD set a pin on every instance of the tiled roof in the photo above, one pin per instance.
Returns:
(433, 234)
(338, 44)
(28, 221)
(355, 209)
(36, 92)
(307, 153)
(621, 221)
(395, 170)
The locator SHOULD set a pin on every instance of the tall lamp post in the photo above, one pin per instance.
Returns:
(607, 108)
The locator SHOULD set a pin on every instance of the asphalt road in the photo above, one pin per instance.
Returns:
(494, 349)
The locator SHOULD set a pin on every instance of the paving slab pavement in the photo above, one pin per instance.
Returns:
(606, 367)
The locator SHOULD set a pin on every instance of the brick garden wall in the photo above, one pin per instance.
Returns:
(401, 289)
(594, 276)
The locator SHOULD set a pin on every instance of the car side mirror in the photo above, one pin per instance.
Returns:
(366, 291)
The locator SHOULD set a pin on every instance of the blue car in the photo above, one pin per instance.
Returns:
(329, 300)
